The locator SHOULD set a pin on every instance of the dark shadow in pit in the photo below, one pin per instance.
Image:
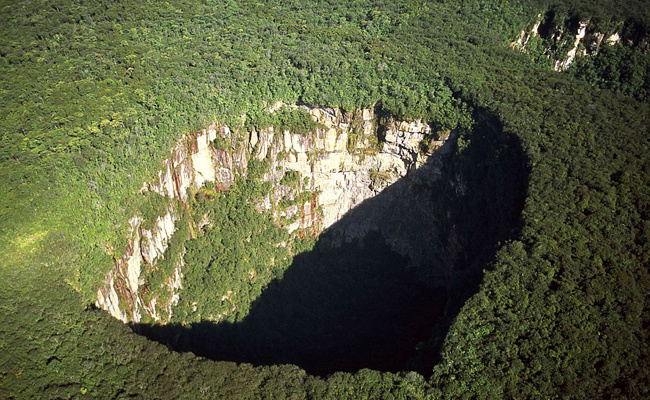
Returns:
(381, 287)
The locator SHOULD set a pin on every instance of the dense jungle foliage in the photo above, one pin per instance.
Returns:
(94, 95)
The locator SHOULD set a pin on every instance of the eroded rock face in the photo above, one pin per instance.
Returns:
(145, 247)
(561, 38)
(569, 40)
(344, 165)
(340, 165)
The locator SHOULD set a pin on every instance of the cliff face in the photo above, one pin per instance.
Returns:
(339, 166)
(144, 248)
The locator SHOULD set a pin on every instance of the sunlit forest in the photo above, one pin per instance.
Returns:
(548, 297)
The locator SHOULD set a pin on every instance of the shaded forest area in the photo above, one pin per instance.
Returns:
(335, 309)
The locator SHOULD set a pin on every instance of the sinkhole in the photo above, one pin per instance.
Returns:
(382, 285)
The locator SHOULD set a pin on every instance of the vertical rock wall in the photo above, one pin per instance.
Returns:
(339, 165)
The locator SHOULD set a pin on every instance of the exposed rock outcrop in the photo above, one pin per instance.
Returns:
(571, 38)
(339, 165)
(144, 247)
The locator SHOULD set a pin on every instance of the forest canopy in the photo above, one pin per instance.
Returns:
(94, 94)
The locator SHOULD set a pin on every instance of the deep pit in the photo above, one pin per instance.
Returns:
(382, 285)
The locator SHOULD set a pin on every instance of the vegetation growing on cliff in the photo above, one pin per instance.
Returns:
(295, 120)
(232, 261)
(94, 94)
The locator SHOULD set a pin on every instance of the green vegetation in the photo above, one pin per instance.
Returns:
(233, 260)
(622, 68)
(93, 95)
(617, 68)
(221, 143)
(295, 120)
(154, 205)
(291, 178)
